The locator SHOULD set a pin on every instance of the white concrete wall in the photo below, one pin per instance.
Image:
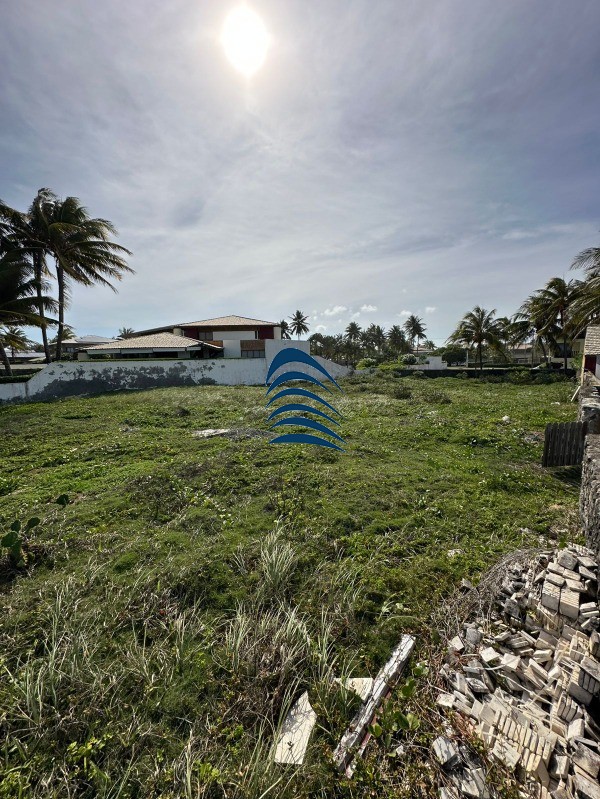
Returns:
(434, 362)
(231, 347)
(234, 335)
(73, 378)
(9, 392)
(273, 346)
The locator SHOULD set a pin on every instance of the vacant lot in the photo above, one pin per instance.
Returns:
(191, 588)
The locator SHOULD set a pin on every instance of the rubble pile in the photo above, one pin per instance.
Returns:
(528, 682)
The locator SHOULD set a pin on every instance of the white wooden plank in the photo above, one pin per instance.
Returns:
(293, 738)
(356, 733)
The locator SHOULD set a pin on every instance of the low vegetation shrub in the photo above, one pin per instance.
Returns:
(437, 397)
(366, 363)
(402, 392)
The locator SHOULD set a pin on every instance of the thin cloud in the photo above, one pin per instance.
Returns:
(405, 313)
(335, 311)
(368, 308)
(430, 309)
(424, 173)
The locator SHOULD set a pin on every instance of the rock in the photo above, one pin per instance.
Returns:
(211, 433)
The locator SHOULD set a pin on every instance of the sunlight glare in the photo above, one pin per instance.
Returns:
(245, 40)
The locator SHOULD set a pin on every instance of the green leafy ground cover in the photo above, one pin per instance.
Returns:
(190, 589)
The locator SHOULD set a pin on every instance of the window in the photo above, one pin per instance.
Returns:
(205, 335)
(253, 353)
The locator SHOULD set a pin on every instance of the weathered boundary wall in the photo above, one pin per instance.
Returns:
(67, 379)
(589, 498)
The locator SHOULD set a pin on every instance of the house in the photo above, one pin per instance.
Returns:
(70, 346)
(237, 336)
(591, 350)
(155, 345)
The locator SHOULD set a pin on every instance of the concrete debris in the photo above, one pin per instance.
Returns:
(527, 681)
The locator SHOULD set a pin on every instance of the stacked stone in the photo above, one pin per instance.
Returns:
(529, 681)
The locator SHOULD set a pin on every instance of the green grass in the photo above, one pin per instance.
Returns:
(193, 587)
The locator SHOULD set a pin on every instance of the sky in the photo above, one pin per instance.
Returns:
(390, 157)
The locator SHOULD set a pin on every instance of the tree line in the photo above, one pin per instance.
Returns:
(44, 251)
(551, 318)
(356, 343)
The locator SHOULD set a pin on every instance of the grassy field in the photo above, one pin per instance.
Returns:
(191, 588)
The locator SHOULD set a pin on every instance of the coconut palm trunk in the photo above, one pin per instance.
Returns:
(38, 264)
(5, 361)
(480, 356)
(60, 279)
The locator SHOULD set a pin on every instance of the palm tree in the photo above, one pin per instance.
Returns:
(15, 340)
(378, 337)
(585, 307)
(553, 305)
(429, 344)
(397, 340)
(79, 245)
(26, 231)
(126, 332)
(68, 332)
(298, 324)
(316, 343)
(352, 332)
(477, 328)
(415, 329)
(18, 294)
(285, 329)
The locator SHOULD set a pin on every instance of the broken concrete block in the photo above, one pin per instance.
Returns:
(585, 788)
(445, 700)
(559, 766)
(555, 579)
(550, 596)
(445, 752)
(588, 760)
(456, 644)
(567, 560)
(569, 603)
(489, 656)
(576, 729)
(477, 686)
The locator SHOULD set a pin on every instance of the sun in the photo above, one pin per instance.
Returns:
(245, 40)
